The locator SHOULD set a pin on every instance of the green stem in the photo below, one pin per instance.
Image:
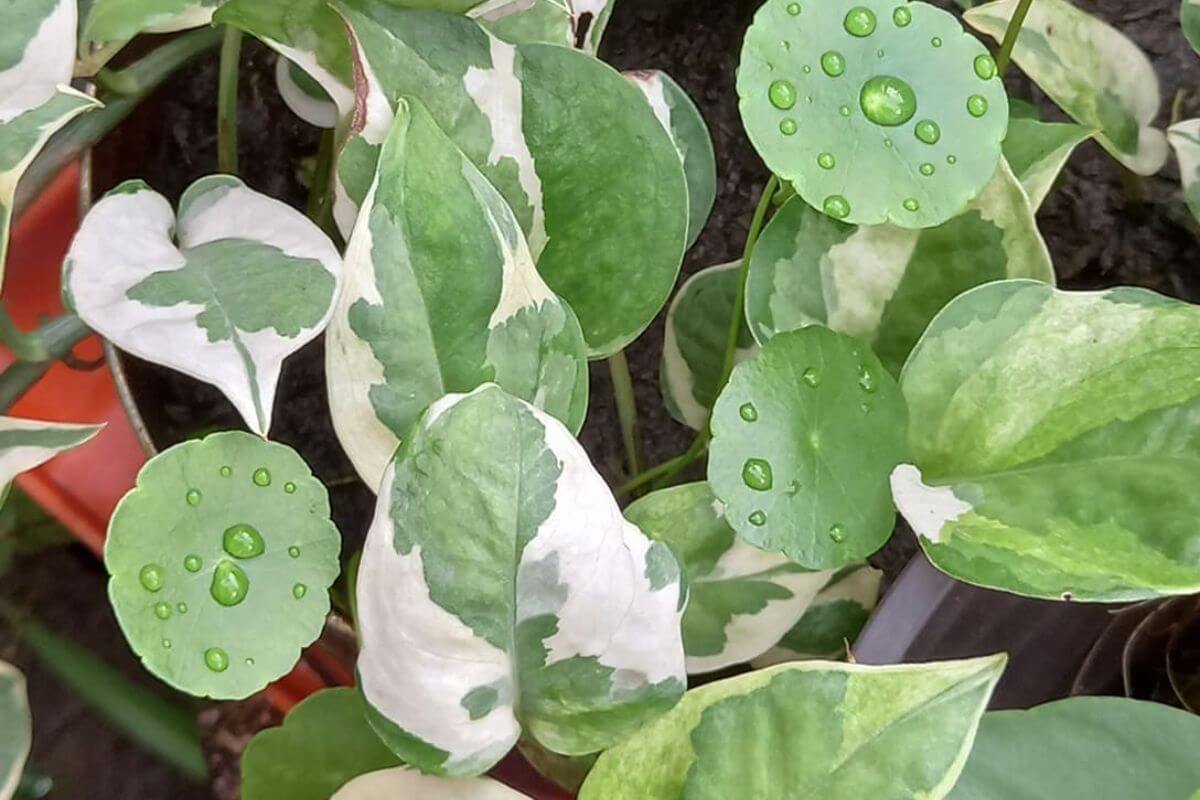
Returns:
(627, 415)
(319, 207)
(1010, 36)
(227, 101)
(116, 82)
(57, 336)
(25, 346)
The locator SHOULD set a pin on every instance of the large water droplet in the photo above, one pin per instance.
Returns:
(985, 67)
(787, 126)
(826, 161)
(289, 487)
(860, 21)
(151, 577)
(838, 534)
(757, 518)
(193, 497)
(294, 551)
(977, 105)
(229, 584)
(162, 610)
(911, 204)
(928, 131)
(866, 378)
(901, 17)
(812, 377)
(216, 659)
(888, 101)
(833, 63)
(794, 9)
(748, 412)
(928, 169)
(757, 474)
(193, 563)
(261, 477)
(243, 541)
(836, 206)
(299, 590)
(782, 94)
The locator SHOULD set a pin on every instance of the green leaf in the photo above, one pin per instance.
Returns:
(29, 443)
(407, 330)
(741, 600)
(16, 728)
(1038, 151)
(223, 293)
(400, 783)
(804, 438)
(597, 187)
(501, 591)
(1189, 19)
(1054, 445)
(885, 283)
(1084, 748)
(1093, 71)
(897, 732)
(220, 560)
(109, 24)
(574, 23)
(835, 617)
(854, 101)
(1185, 138)
(324, 742)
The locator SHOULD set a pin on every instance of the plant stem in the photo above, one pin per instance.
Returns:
(116, 82)
(318, 206)
(227, 101)
(1010, 36)
(57, 336)
(25, 346)
(622, 383)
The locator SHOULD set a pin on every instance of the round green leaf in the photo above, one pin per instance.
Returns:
(804, 438)
(854, 101)
(16, 729)
(220, 561)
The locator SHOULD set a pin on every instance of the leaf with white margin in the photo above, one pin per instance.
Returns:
(402, 783)
(501, 592)
(697, 329)
(16, 729)
(223, 293)
(884, 283)
(897, 732)
(1037, 152)
(441, 295)
(1055, 442)
(109, 24)
(29, 443)
(683, 121)
(572, 172)
(574, 23)
(1189, 20)
(1185, 138)
(741, 600)
(304, 96)
(1091, 70)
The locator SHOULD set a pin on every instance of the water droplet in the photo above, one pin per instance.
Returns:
(794, 9)
(782, 94)
(193, 497)
(792, 488)
(757, 518)
(787, 127)
(757, 474)
(826, 161)
(844, 111)
(928, 169)
(294, 551)
(229, 584)
(216, 659)
(299, 590)
(833, 63)
(249, 662)
(289, 487)
(911, 204)
(864, 408)
(243, 541)
(181, 608)
(262, 477)
(888, 101)
(888, 143)
(879, 53)
(985, 67)
(166, 643)
(162, 610)
(193, 563)
(806, 69)
(226, 471)
(860, 21)
(747, 412)
(838, 534)
(151, 577)
(928, 131)
(936, 41)
(952, 159)
(837, 206)
(812, 377)
(866, 378)
(977, 105)
(902, 17)
(809, 100)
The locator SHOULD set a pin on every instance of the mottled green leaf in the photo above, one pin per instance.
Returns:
(502, 592)
(16, 728)
(220, 561)
(804, 437)
(1055, 442)
(574, 23)
(1093, 71)
(223, 292)
(1185, 138)
(834, 619)
(401, 783)
(109, 24)
(1038, 151)
(884, 283)
(1189, 19)
(29, 443)
(854, 101)
(1084, 748)
(324, 742)
(810, 729)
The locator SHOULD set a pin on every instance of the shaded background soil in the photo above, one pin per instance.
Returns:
(1096, 233)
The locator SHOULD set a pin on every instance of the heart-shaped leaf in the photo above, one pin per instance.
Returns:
(223, 292)
(1185, 138)
(16, 732)
(29, 443)
(400, 783)
(408, 330)
(876, 110)
(1037, 152)
(1092, 70)
(574, 23)
(502, 592)
(804, 437)
(109, 24)
(220, 560)
(1054, 442)
(899, 732)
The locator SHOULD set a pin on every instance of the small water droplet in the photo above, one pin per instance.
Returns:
(787, 126)
(786, 45)
(888, 143)
(806, 69)
(243, 541)
(299, 590)
(794, 9)
(901, 17)
(826, 161)
(837, 206)
(782, 94)
(162, 610)
(887, 100)
(977, 105)
(747, 412)
(928, 169)
(951, 159)
(181, 608)
(193, 497)
(833, 63)
(289, 487)
(936, 41)
(757, 518)
(226, 471)
(262, 477)
(812, 377)
(166, 643)
(911, 204)
(860, 21)
(844, 111)
(229, 584)
(863, 407)
(249, 662)
(756, 473)
(985, 67)
(838, 534)
(792, 488)
(151, 577)
(879, 53)
(928, 131)
(866, 378)
(193, 563)
(216, 659)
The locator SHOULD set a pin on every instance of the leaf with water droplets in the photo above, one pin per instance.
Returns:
(215, 578)
(849, 98)
(16, 732)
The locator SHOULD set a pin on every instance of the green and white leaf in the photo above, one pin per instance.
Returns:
(324, 742)
(220, 560)
(501, 592)
(441, 295)
(900, 732)
(1093, 71)
(804, 437)
(1084, 748)
(741, 600)
(1189, 20)
(884, 283)
(898, 120)
(224, 291)
(1185, 139)
(16, 729)
(683, 121)
(29, 443)
(1054, 445)
(573, 23)
(697, 329)
(109, 24)
(403, 783)
(1038, 151)
(573, 173)
(304, 96)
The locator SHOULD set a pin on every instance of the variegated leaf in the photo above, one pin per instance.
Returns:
(741, 600)
(1092, 70)
(574, 23)
(441, 296)
(884, 283)
(16, 729)
(109, 24)
(403, 783)
(1037, 152)
(304, 96)
(223, 292)
(501, 593)
(29, 443)
(1185, 139)
(572, 171)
